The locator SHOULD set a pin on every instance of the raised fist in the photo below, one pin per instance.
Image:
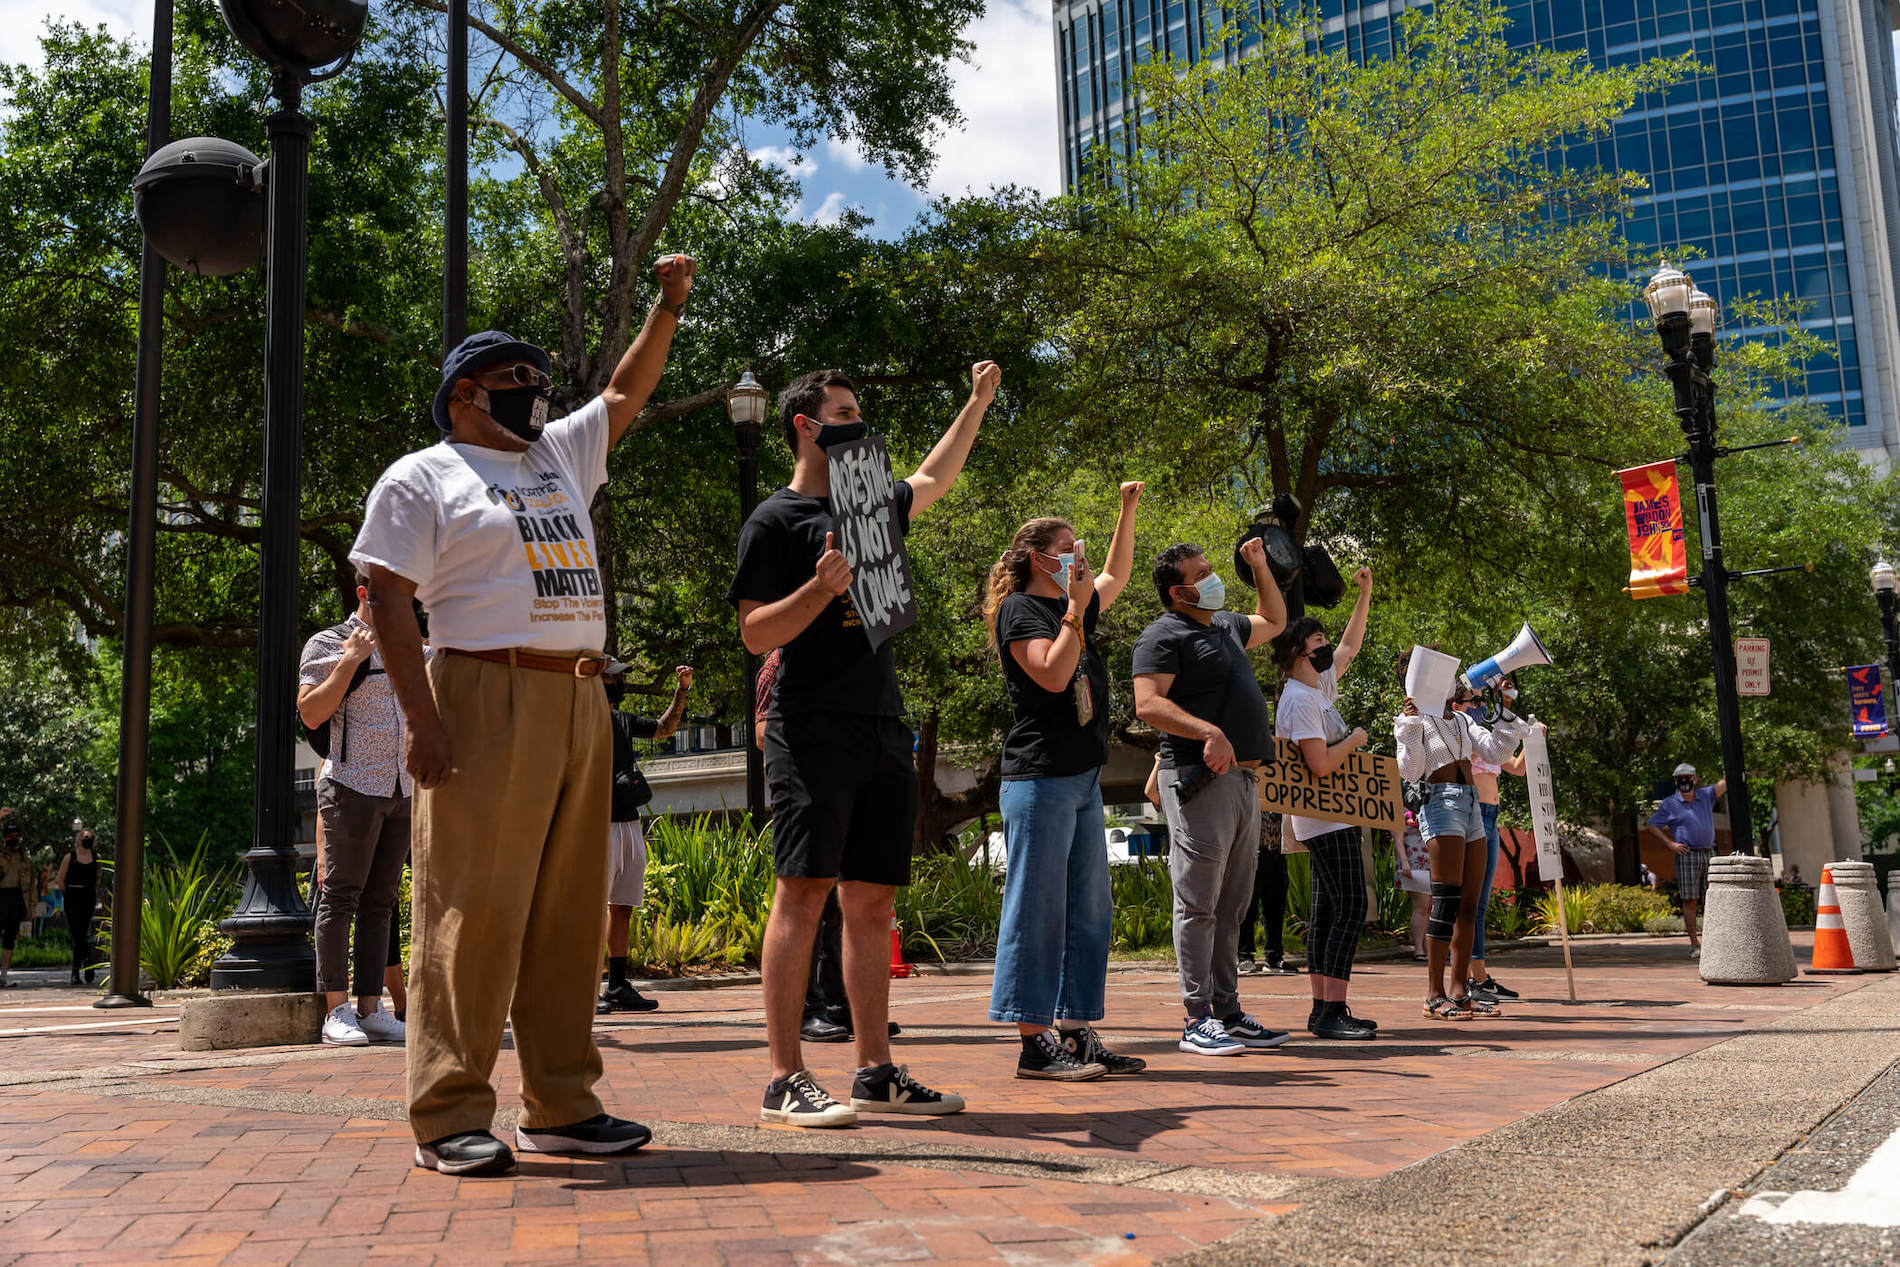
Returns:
(676, 277)
(1131, 492)
(985, 377)
(685, 675)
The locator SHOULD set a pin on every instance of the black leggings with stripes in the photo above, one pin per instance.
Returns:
(1339, 903)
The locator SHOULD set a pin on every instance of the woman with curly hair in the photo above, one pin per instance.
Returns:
(1042, 604)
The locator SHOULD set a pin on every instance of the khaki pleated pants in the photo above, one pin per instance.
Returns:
(510, 880)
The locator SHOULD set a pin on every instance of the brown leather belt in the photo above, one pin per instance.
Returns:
(583, 664)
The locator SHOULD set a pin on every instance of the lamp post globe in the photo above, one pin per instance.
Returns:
(297, 36)
(201, 203)
(746, 401)
(1883, 577)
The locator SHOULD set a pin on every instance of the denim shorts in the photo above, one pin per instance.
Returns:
(1452, 810)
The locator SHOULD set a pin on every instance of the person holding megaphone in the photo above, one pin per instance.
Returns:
(1438, 745)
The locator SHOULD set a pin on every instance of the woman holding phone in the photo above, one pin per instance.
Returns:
(1042, 604)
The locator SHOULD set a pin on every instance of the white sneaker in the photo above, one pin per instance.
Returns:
(381, 1027)
(343, 1027)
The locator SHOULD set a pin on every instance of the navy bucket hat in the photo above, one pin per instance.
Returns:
(476, 353)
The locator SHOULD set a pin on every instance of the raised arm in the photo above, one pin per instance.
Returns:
(1354, 635)
(670, 720)
(1269, 605)
(317, 702)
(940, 470)
(638, 373)
(1121, 549)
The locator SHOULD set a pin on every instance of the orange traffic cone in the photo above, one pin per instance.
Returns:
(1832, 955)
(901, 969)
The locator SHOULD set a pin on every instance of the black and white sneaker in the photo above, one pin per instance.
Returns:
(467, 1153)
(1247, 966)
(1248, 1032)
(1275, 966)
(891, 1089)
(1086, 1046)
(599, 1135)
(799, 1101)
(1492, 986)
(1480, 993)
(1055, 1059)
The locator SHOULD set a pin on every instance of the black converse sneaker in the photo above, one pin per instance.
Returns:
(598, 1135)
(466, 1153)
(799, 1101)
(891, 1089)
(1086, 1046)
(1052, 1059)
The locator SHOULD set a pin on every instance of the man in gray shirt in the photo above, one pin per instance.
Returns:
(346, 703)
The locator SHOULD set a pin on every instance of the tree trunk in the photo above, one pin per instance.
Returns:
(938, 815)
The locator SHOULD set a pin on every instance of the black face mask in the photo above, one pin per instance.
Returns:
(832, 434)
(1321, 658)
(1685, 785)
(522, 411)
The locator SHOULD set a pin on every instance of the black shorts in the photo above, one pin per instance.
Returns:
(843, 789)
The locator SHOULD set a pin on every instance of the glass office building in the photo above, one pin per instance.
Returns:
(1779, 165)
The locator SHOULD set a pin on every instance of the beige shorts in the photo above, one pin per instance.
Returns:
(627, 863)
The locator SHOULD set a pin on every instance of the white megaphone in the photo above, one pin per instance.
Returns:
(1525, 650)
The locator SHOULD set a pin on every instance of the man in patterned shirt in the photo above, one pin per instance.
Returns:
(363, 798)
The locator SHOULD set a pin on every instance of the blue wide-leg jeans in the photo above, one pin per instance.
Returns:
(1052, 949)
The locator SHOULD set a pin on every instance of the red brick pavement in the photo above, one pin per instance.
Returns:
(296, 1154)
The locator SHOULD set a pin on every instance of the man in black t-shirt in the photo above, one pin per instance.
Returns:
(839, 765)
(1195, 684)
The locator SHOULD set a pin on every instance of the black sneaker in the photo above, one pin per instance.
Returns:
(819, 1028)
(799, 1101)
(1054, 1059)
(1491, 985)
(598, 1135)
(1248, 1032)
(1247, 966)
(1358, 1020)
(624, 998)
(1481, 993)
(891, 1089)
(1275, 966)
(1086, 1046)
(1332, 1020)
(467, 1153)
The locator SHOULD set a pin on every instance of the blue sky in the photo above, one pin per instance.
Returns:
(1007, 93)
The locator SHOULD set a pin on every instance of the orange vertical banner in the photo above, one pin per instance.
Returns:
(1652, 504)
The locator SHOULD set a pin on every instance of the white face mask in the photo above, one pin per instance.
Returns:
(1210, 593)
(1065, 567)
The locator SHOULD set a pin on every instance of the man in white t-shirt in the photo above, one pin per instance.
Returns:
(508, 737)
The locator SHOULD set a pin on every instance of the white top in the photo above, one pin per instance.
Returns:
(500, 545)
(1308, 712)
(1427, 743)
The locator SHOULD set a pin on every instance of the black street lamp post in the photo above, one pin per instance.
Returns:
(746, 404)
(1886, 584)
(1685, 322)
(198, 206)
(269, 930)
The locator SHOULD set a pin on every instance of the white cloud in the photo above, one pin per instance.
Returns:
(1007, 92)
(784, 156)
(828, 211)
(23, 22)
(845, 154)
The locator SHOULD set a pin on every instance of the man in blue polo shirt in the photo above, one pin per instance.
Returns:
(1686, 823)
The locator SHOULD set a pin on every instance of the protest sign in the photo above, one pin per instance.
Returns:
(871, 538)
(1364, 792)
(1550, 858)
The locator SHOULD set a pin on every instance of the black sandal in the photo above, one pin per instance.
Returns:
(1443, 1009)
(1476, 1007)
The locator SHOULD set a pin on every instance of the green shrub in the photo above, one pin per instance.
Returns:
(178, 928)
(1663, 925)
(1622, 908)
(1576, 911)
(951, 909)
(1142, 896)
(1506, 917)
(1797, 905)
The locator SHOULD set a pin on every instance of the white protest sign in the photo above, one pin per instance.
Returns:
(1543, 795)
(864, 514)
(1429, 676)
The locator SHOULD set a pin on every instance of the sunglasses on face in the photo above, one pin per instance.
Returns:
(516, 375)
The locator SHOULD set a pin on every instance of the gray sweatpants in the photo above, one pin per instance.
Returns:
(1214, 843)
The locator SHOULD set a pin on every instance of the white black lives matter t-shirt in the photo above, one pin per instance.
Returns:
(499, 544)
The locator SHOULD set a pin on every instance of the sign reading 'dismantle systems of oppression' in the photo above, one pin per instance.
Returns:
(1364, 792)
(871, 538)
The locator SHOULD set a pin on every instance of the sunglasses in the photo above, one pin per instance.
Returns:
(519, 375)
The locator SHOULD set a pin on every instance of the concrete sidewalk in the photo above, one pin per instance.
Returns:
(117, 1147)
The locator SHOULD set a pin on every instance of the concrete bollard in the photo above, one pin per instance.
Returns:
(1866, 923)
(1744, 935)
(1893, 908)
(232, 1018)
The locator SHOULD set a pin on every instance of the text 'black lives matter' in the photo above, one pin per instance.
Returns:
(864, 514)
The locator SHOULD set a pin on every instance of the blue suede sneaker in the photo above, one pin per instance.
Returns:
(1206, 1036)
